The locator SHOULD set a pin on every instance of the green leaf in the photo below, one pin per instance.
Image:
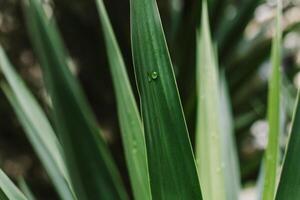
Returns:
(129, 116)
(25, 189)
(37, 127)
(208, 126)
(92, 170)
(172, 168)
(288, 187)
(8, 190)
(228, 146)
(271, 158)
(260, 181)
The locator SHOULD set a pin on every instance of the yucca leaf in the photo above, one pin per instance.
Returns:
(288, 187)
(25, 189)
(271, 158)
(208, 130)
(37, 127)
(92, 170)
(172, 168)
(8, 190)
(129, 116)
(228, 146)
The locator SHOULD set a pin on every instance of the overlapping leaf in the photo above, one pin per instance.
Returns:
(8, 190)
(208, 131)
(26, 190)
(288, 187)
(129, 117)
(37, 128)
(228, 145)
(92, 170)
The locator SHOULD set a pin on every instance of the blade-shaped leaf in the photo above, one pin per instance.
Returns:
(172, 168)
(208, 130)
(37, 127)
(129, 117)
(25, 189)
(92, 170)
(260, 181)
(8, 190)
(228, 145)
(271, 158)
(288, 187)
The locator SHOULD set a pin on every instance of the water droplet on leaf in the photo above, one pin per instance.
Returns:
(154, 75)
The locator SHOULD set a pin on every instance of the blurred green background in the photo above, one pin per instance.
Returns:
(242, 31)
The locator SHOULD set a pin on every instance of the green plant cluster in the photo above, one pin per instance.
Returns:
(161, 160)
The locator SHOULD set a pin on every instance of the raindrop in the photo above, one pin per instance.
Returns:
(154, 75)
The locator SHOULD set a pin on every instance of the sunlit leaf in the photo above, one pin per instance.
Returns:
(271, 158)
(208, 126)
(129, 116)
(8, 190)
(37, 127)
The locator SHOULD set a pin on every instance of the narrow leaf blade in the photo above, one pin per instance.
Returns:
(172, 169)
(129, 116)
(288, 187)
(228, 145)
(208, 130)
(26, 190)
(8, 190)
(37, 127)
(271, 158)
(92, 170)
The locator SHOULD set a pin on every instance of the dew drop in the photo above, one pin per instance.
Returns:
(154, 75)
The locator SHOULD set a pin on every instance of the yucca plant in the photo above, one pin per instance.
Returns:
(162, 161)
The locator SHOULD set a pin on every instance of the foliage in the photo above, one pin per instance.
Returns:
(175, 146)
